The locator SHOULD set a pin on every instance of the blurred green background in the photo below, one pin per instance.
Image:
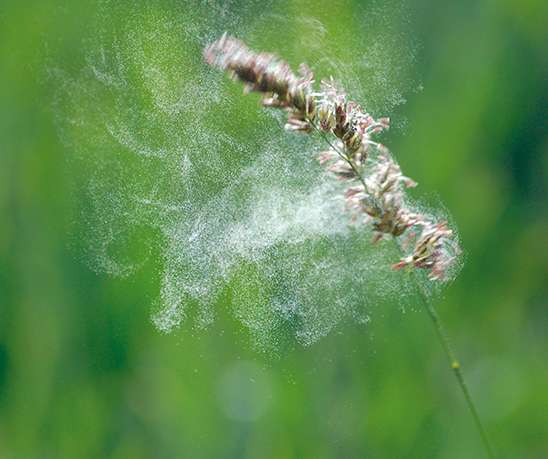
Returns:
(84, 373)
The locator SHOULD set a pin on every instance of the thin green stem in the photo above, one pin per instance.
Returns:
(451, 356)
(434, 317)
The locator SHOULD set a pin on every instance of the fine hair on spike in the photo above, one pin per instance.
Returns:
(375, 191)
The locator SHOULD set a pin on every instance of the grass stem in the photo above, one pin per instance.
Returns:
(451, 356)
(434, 317)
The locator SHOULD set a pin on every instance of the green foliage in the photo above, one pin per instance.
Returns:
(83, 371)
